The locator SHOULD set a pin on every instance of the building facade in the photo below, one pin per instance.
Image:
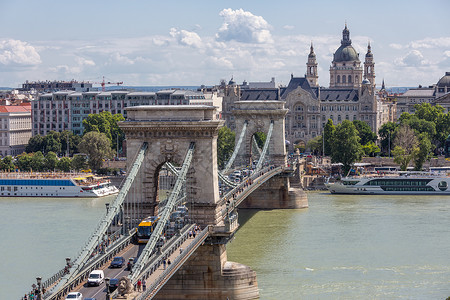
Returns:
(66, 110)
(350, 96)
(15, 128)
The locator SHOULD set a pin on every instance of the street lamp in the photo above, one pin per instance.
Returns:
(39, 281)
(389, 142)
(107, 288)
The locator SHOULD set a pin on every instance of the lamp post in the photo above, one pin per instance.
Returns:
(39, 281)
(107, 288)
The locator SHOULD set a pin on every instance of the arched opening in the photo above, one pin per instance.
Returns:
(256, 147)
(343, 79)
(300, 145)
(338, 80)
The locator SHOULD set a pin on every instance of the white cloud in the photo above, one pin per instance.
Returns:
(396, 46)
(187, 38)
(288, 27)
(413, 58)
(243, 26)
(117, 58)
(15, 52)
(84, 62)
(219, 62)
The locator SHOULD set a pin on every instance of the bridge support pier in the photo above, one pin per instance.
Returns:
(208, 275)
(276, 193)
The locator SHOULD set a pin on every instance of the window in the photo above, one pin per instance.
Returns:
(344, 79)
(349, 78)
(338, 79)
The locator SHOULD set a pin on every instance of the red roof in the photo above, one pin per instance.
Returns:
(14, 108)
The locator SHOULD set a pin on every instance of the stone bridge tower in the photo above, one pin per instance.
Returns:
(169, 130)
(278, 191)
(258, 115)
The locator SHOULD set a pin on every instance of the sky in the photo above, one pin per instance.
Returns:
(173, 43)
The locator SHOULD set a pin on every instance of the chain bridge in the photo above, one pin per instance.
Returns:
(172, 162)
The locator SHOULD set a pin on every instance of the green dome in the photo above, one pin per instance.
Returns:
(346, 53)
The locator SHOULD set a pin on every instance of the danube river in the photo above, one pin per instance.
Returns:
(341, 247)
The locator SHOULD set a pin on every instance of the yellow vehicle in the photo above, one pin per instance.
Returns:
(146, 228)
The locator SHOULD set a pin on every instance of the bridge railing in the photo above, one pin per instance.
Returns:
(56, 277)
(93, 264)
(153, 289)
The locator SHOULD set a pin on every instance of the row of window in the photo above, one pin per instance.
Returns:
(37, 182)
(398, 182)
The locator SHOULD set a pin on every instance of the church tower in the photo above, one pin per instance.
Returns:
(369, 66)
(345, 70)
(311, 69)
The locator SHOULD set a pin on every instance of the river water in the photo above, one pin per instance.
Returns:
(341, 247)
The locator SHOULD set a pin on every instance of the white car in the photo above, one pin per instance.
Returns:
(96, 277)
(74, 296)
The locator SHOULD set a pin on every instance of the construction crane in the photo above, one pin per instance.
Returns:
(104, 83)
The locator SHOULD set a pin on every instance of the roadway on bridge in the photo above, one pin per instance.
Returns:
(99, 292)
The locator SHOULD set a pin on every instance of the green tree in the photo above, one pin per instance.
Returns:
(345, 146)
(37, 161)
(51, 159)
(52, 143)
(97, 147)
(365, 132)
(370, 149)
(24, 162)
(423, 152)
(405, 146)
(225, 146)
(7, 164)
(315, 144)
(106, 123)
(64, 164)
(386, 133)
(328, 132)
(79, 162)
(260, 138)
(36, 143)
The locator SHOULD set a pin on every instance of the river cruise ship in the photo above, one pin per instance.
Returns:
(54, 185)
(402, 183)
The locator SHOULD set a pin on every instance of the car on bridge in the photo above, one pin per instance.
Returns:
(117, 262)
(96, 277)
(113, 284)
(74, 296)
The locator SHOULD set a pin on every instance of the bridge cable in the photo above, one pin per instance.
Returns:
(105, 222)
(236, 149)
(266, 146)
(164, 217)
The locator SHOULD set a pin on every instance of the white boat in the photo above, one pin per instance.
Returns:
(54, 185)
(402, 183)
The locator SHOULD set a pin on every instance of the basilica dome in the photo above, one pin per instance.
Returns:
(346, 53)
(444, 81)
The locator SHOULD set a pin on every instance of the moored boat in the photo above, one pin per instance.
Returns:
(402, 183)
(54, 185)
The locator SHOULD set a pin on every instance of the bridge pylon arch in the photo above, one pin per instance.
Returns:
(259, 115)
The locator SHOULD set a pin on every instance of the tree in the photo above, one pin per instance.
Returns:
(345, 146)
(106, 123)
(36, 143)
(97, 147)
(79, 162)
(370, 149)
(423, 152)
(260, 138)
(365, 132)
(7, 163)
(405, 148)
(328, 132)
(64, 164)
(315, 144)
(37, 161)
(386, 133)
(225, 146)
(52, 143)
(24, 162)
(51, 159)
